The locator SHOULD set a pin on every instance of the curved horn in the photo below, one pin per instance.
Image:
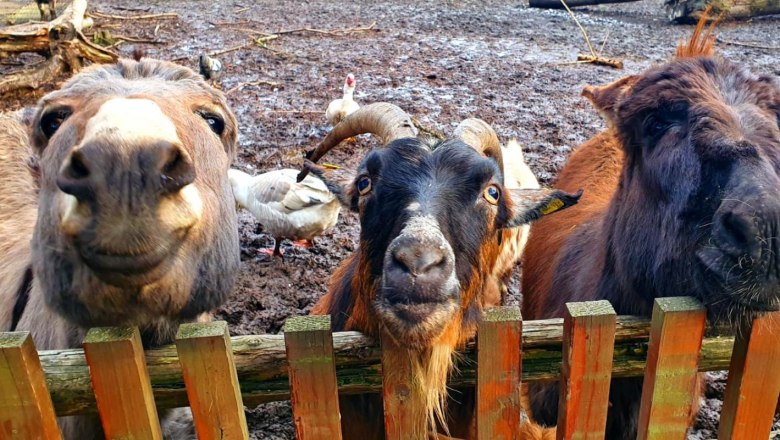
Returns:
(481, 137)
(387, 121)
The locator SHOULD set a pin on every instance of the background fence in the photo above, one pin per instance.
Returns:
(216, 375)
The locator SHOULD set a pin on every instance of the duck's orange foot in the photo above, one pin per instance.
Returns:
(303, 243)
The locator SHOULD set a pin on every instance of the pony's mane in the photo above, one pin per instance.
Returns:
(702, 42)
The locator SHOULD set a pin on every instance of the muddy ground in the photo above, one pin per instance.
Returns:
(442, 61)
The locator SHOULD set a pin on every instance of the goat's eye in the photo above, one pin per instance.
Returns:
(52, 120)
(364, 185)
(216, 123)
(491, 194)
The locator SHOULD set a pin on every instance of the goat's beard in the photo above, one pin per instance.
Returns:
(428, 370)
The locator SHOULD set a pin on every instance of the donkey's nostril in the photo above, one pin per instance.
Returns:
(77, 169)
(177, 170)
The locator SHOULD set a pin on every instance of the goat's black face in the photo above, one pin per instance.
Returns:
(430, 230)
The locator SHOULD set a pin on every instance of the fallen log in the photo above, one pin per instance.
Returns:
(60, 41)
(262, 366)
(557, 4)
(689, 11)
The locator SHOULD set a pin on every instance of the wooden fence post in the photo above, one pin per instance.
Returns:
(403, 421)
(121, 383)
(499, 341)
(586, 371)
(206, 358)
(754, 382)
(313, 387)
(676, 333)
(26, 410)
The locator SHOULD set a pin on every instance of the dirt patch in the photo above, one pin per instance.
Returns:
(442, 61)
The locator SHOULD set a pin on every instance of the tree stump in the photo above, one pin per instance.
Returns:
(689, 11)
(60, 41)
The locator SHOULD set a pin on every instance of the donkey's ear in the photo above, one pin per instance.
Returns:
(605, 98)
(338, 182)
(528, 205)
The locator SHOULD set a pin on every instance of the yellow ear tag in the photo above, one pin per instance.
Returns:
(553, 206)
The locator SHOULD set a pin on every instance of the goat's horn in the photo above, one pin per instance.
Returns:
(481, 136)
(387, 121)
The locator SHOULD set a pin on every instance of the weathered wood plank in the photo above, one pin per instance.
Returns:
(262, 367)
(754, 383)
(676, 334)
(209, 371)
(26, 410)
(498, 374)
(314, 391)
(121, 383)
(403, 421)
(588, 345)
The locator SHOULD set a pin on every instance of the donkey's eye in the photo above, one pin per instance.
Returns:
(216, 123)
(364, 185)
(492, 194)
(52, 120)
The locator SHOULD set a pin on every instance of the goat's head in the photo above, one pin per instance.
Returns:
(136, 218)
(699, 210)
(432, 217)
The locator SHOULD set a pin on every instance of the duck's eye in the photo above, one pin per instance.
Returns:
(492, 194)
(52, 120)
(216, 123)
(364, 185)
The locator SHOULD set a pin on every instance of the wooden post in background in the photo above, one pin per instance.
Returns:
(313, 387)
(754, 381)
(676, 333)
(586, 371)
(209, 371)
(499, 341)
(26, 411)
(121, 383)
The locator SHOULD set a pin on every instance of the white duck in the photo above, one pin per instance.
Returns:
(285, 207)
(340, 108)
(517, 174)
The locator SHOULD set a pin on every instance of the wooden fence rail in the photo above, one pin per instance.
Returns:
(583, 351)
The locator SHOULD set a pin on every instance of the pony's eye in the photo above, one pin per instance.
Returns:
(492, 194)
(216, 123)
(364, 185)
(52, 120)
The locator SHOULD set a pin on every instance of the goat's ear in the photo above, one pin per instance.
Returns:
(339, 182)
(528, 205)
(605, 98)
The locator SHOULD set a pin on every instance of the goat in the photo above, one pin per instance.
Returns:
(127, 216)
(680, 199)
(432, 218)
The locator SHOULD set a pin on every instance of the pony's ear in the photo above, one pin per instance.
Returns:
(605, 98)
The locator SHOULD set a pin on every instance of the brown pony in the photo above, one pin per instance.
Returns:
(116, 210)
(680, 199)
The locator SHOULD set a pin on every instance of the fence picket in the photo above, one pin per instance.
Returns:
(671, 376)
(313, 387)
(586, 371)
(209, 371)
(26, 410)
(499, 341)
(121, 383)
(754, 383)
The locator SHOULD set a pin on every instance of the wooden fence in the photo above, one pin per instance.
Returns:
(217, 375)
